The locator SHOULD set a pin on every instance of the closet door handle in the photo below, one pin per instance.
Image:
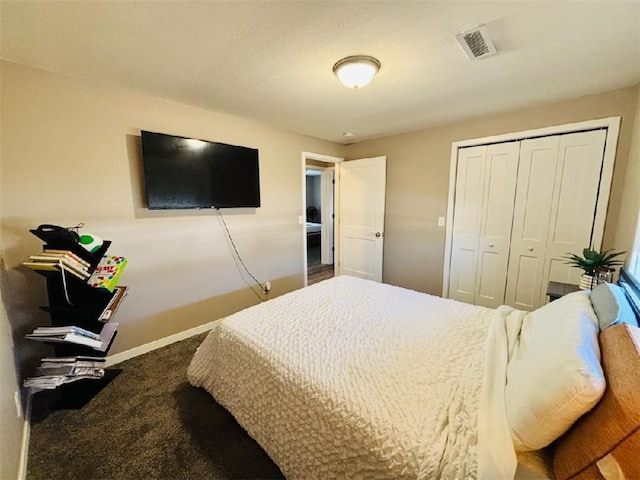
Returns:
(530, 249)
(491, 245)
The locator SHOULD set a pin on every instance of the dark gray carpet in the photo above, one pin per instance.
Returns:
(149, 422)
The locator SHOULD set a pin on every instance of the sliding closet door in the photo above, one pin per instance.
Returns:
(574, 203)
(467, 218)
(485, 188)
(534, 194)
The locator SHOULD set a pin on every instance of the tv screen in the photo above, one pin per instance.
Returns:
(184, 173)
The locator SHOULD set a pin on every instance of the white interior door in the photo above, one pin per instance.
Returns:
(483, 213)
(467, 218)
(362, 185)
(573, 207)
(501, 171)
(534, 194)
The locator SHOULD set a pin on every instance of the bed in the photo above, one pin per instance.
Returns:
(314, 231)
(350, 378)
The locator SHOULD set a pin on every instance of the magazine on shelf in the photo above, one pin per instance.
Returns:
(57, 331)
(50, 375)
(100, 344)
(68, 338)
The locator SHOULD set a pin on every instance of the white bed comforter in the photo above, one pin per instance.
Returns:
(355, 379)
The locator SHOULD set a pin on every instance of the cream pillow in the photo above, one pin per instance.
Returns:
(554, 375)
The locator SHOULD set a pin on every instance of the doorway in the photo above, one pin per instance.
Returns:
(319, 219)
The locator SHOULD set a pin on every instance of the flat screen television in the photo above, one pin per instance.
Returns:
(182, 173)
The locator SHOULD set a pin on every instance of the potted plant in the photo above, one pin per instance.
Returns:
(595, 265)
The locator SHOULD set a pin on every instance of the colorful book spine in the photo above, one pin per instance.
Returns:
(108, 272)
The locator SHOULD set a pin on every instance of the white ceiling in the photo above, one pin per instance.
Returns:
(271, 60)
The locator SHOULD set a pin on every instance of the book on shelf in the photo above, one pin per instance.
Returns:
(76, 358)
(110, 310)
(55, 257)
(52, 267)
(66, 260)
(52, 374)
(100, 344)
(68, 253)
(44, 331)
(108, 272)
(67, 338)
(55, 267)
(77, 363)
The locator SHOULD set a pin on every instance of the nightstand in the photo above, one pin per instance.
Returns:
(555, 290)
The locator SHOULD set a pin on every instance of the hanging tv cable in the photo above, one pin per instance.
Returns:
(261, 293)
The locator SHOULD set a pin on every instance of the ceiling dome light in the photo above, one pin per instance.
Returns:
(356, 71)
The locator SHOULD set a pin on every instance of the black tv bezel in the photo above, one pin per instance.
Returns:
(203, 206)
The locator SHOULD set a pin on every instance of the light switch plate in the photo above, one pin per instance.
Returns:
(441, 221)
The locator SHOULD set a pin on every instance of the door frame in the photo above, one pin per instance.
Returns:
(302, 219)
(611, 124)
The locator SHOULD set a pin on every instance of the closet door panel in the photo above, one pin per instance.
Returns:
(523, 273)
(467, 218)
(497, 216)
(573, 208)
(534, 194)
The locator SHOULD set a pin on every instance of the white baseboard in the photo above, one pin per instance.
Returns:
(163, 342)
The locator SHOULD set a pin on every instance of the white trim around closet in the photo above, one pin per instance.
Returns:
(611, 124)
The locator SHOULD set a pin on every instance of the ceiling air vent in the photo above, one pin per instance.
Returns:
(477, 43)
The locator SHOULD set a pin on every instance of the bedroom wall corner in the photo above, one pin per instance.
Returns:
(418, 167)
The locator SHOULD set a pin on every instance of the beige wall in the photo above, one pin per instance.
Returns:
(71, 153)
(418, 181)
(629, 211)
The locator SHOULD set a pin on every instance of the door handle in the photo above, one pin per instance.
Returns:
(530, 249)
(491, 245)
(378, 234)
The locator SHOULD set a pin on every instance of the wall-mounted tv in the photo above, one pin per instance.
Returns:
(181, 173)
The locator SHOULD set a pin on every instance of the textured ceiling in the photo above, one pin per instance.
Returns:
(271, 60)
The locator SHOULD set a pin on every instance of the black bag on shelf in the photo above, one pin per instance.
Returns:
(55, 235)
